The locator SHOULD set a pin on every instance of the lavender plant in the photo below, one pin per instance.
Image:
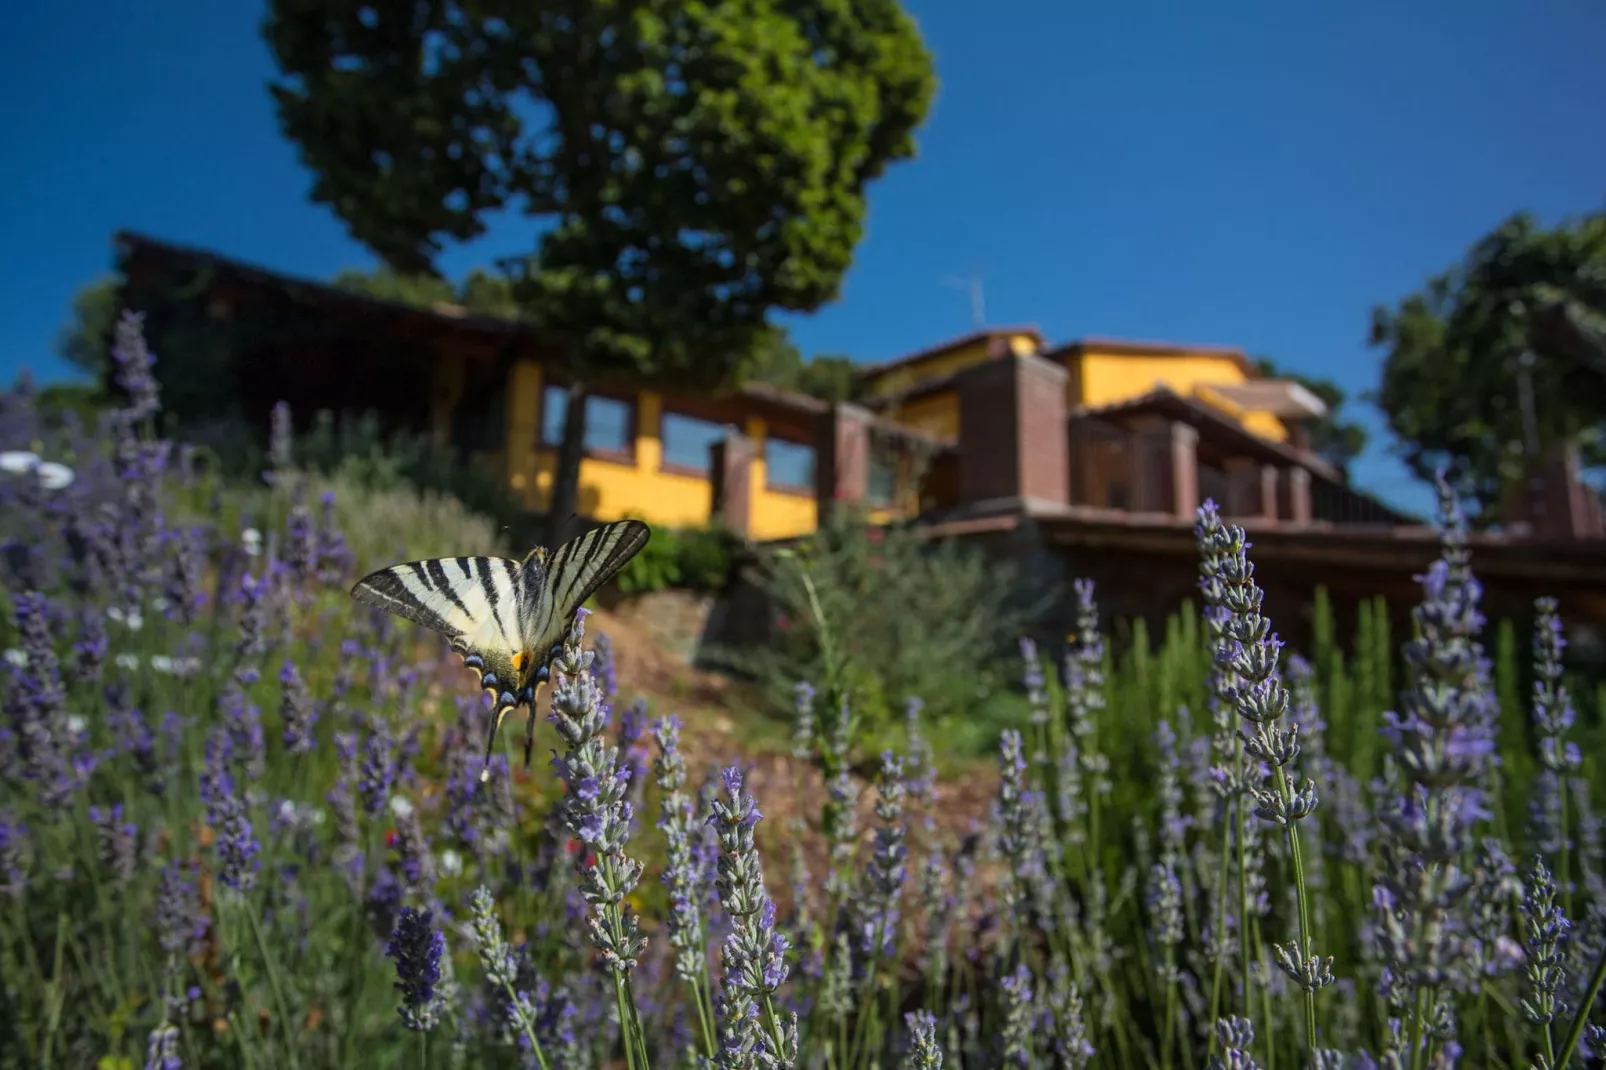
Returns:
(243, 822)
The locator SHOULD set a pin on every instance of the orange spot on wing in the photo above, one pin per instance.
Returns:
(520, 660)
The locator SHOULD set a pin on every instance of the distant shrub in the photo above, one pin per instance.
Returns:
(891, 616)
(695, 559)
(356, 449)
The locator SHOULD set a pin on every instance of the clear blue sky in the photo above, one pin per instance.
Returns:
(1239, 173)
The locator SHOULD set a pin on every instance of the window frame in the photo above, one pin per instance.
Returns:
(800, 489)
(676, 468)
(632, 428)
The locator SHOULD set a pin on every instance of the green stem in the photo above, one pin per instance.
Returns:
(423, 1049)
(1170, 1028)
(274, 985)
(527, 1027)
(1243, 901)
(1221, 931)
(1306, 939)
(625, 1029)
(1596, 978)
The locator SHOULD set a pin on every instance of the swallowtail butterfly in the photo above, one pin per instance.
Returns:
(505, 618)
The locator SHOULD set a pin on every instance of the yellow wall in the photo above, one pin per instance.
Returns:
(936, 414)
(1105, 378)
(913, 374)
(612, 490)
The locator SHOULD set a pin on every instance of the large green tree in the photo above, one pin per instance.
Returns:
(482, 293)
(690, 166)
(86, 339)
(1477, 380)
(777, 361)
(1333, 438)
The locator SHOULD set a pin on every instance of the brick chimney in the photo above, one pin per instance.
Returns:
(1013, 443)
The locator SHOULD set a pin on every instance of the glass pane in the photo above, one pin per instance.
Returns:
(788, 464)
(608, 425)
(607, 421)
(554, 403)
(687, 440)
(883, 482)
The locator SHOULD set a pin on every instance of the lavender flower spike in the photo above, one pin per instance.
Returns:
(923, 1054)
(1237, 1038)
(681, 875)
(596, 810)
(755, 951)
(416, 947)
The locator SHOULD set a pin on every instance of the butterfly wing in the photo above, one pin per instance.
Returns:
(472, 601)
(573, 574)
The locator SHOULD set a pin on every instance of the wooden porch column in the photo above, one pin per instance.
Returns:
(842, 458)
(1293, 494)
(1251, 489)
(730, 473)
(1165, 469)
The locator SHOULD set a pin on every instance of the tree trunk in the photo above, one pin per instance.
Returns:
(566, 479)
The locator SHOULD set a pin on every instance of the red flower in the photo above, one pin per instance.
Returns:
(390, 838)
(877, 536)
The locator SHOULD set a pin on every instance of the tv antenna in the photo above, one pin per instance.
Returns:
(978, 303)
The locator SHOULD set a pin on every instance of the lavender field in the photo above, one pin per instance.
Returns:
(243, 823)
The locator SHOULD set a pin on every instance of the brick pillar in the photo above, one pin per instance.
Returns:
(1251, 489)
(730, 472)
(1556, 502)
(1165, 469)
(842, 457)
(1013, 441)
(1293, 496)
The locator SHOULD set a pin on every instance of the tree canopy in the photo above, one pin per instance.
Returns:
(1334, 439)
(776, 360)
(85, 340)
(1457, 388)
(482, 293)
(690, 167)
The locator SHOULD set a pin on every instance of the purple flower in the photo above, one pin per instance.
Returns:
(133, 362)
(13, 857)
(161, 1052)
(116, 842)
(924, 1052)
(888, 864)
(681, 872)
(416, 947)
(596, 809)
(296, 711)
(180, 922)
(378, 767)
(754, 952)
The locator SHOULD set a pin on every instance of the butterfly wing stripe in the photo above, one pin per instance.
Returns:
(397, 590)
(583, 565)
(425, 593)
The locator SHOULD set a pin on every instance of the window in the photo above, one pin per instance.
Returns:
(788, 465)
(883, 482)
(687, 441)
(608, 421)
